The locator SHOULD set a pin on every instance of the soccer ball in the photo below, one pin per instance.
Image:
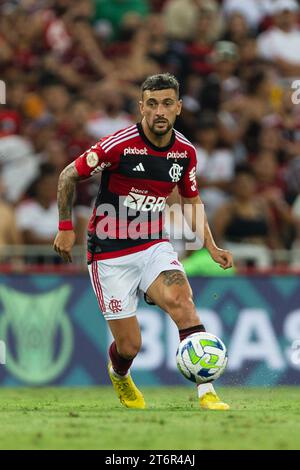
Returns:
(201, 357)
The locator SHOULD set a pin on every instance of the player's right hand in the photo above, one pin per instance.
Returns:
(63, 244)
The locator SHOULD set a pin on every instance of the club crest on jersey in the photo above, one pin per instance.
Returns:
(175, 172)
(140, 202)
(92, 159)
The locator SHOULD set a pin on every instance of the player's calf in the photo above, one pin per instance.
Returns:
(122, 356)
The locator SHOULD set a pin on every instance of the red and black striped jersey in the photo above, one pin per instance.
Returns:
(137, 177)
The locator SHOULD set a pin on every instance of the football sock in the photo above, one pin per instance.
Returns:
(205, 388)
(120, 364)
(189, 331)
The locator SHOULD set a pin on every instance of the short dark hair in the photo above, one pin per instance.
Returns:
(161, 81)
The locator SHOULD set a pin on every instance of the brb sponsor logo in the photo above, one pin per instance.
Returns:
(140, 202)
(135, 151)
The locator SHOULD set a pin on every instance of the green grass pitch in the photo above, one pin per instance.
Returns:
(91, 418)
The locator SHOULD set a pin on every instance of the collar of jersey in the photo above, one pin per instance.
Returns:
(151, 145)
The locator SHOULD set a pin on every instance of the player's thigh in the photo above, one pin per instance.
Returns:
(169, 287)
(127, 335)
(172, 292)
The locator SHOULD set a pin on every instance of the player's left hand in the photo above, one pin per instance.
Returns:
(222, 257)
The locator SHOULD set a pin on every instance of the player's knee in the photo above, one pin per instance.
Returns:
(129, 349)
(183, 311)
(179, 302)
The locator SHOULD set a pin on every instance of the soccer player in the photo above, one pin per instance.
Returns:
(128, 250)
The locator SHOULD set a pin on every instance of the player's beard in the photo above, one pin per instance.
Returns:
(163, 131)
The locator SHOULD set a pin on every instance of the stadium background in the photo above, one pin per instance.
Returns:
(72, 72)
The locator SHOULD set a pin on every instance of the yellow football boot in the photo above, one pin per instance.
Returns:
(211, 401)
(129, 395)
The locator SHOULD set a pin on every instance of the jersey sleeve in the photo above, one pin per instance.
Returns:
(188, 184)
(95, 160)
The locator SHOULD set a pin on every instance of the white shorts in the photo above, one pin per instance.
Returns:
(117, 281)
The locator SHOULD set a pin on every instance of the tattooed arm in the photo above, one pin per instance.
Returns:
(65, 239)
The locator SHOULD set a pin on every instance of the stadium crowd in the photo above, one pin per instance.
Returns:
(73, 69)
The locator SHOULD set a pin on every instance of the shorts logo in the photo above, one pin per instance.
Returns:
(92, 159)
(135, 151)
(175, 172)
(139, 202)
(175, 262)
(115, 306)
(100, 167)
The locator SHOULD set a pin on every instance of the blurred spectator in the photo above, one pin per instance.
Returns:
(6, 52)
(169, 54)
(250, 110)
(54, 153)
(288, 126)
(293, 179)
(295, 251)
(11, 116)
(9, 234)
(237, 30)
(114, 11)
(258, 105)
(215, 167)
(246, 221)
(269, 140)
(271, 186)
(249, 60)
(281, 43)
(108, 115)
(73, 130)
(57, 100)
(180, 17)
(221, 85)
(19, 166)
(37, 217)
(254, 11)
(208, 29)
